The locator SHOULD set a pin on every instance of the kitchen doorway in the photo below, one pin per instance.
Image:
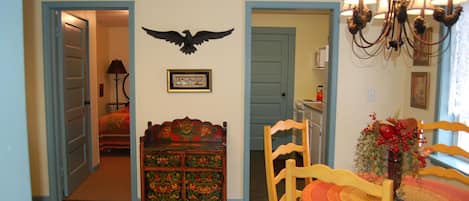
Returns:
(270, 10)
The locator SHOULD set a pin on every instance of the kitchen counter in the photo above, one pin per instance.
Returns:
(313, 112)
(318, 106)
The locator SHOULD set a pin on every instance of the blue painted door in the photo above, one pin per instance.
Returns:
(74, 50)
(272, 72)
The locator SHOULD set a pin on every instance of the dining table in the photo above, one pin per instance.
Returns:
(414, 189)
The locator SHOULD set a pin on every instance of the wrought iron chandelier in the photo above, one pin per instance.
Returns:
(396, 32)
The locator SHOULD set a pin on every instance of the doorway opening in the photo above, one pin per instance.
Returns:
(108, 22)
(109, 178)
(301, 17)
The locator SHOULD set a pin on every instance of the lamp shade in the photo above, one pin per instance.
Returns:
(116, 67)
(383, 8)
(445, 2)
(356, 2)
(416, 6)
(347, 10)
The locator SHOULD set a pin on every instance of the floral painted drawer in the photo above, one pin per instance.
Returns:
(204, 160)
(206, 186)
(162, 159)
(163, 186)
(183, 160)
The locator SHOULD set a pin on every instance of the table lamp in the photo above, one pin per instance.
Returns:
(116, 67)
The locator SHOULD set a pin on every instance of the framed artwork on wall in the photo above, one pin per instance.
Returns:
(422, 52)
(419, 89)
(189, 80)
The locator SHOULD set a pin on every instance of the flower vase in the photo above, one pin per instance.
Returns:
(395, 171)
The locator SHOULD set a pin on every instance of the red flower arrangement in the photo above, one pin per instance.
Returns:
(391, 139)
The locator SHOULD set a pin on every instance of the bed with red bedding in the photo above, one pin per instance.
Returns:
(114, 130)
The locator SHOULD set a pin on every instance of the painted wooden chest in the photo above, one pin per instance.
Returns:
(184, 159)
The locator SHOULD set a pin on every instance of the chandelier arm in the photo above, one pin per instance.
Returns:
(410, 42)
(419, 39)
(388, 56)
(381, 48)
(382, 35)
(408, 39)
(444, 49)
(431, 52)
(359, 56)
(396, 32)
(408, 51)
(393, 25)
(372, 53)
(430, 42)
(377, 49)
(367, 55)
(356, 53)
(361, 45)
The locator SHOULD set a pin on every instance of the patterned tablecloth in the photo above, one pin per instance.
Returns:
(415, 190)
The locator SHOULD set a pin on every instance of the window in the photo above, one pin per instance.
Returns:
(453, 84)
(458, 100)
(462, 139)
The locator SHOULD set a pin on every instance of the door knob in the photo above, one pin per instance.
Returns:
(283, 94)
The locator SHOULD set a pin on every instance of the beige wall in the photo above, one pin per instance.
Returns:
(428, 114)
(103, 63)
(226, 57)
(118, 48)
(364, 86)
(113, 44)
(312, 32)
(34, 77)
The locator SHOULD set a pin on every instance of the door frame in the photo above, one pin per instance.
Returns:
(334, 7)
(56, 186)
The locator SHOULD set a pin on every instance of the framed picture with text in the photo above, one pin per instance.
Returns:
(189, 80)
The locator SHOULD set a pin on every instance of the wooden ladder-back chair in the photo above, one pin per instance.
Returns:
(340, 177)
(448, 173)
(271, 154)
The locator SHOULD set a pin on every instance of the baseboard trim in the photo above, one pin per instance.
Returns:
(41, 198)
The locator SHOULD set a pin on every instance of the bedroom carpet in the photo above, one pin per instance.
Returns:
(110, 182)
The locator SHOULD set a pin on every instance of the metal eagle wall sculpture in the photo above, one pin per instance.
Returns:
(188, 41)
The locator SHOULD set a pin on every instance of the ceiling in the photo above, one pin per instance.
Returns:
(112, 17)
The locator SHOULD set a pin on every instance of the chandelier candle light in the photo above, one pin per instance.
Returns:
(396, 32)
